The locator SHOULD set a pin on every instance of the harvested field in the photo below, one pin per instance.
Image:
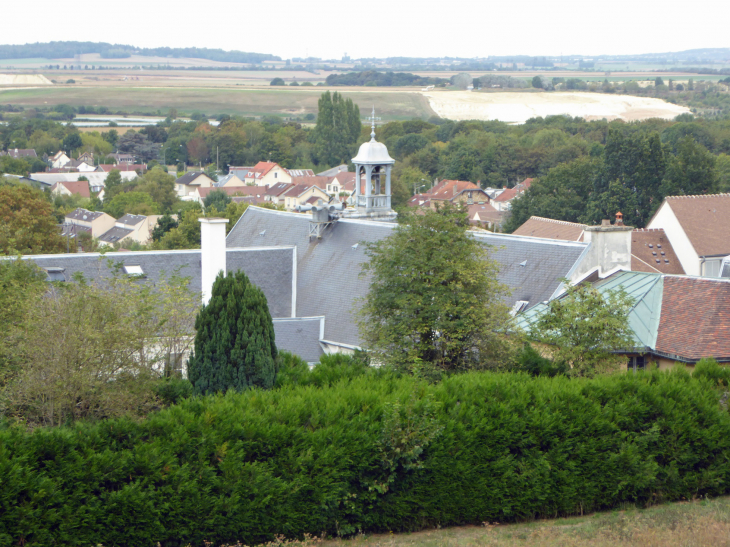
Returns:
(24, 79)
(516, 107)
(294, 102)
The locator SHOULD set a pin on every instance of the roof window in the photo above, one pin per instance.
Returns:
(133, 270)
(55, 274)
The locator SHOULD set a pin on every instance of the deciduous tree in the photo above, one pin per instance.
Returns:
(27, 224)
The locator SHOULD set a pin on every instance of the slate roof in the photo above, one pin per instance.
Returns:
(131, 220)
(20, 153)
(85, 215)
(332, 172)
(106, 167)
(328, 280)
(189, 178)
(651, 251)
(706, 221)
(269, 269)
(300, 336)
(555, 229)
(115, 234)
(278, 189)
(234, 190)
(319, 182)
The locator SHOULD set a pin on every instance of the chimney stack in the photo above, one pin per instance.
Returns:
(619, 219)
(212, 252)
(610, 245)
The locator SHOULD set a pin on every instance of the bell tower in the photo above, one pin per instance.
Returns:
(373, 166)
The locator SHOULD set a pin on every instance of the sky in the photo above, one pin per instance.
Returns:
(381, 28)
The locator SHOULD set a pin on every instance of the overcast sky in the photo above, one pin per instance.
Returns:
(379, 28)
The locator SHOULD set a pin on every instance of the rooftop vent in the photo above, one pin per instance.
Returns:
(523, 263)
(262, 234)
(519, 306)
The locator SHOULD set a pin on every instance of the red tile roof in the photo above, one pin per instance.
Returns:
(695, 318)
(551, 229)
(80, 187)
(486, 213)
(651, 251)
(264, 167)
(511, 193)
(705, 220)
(316, 180)
(447, 189)
(297, 190)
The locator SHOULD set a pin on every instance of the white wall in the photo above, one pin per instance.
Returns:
(667, 220)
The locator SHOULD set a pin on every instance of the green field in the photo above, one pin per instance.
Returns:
(389, 105)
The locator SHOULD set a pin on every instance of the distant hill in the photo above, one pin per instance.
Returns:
(63, 50)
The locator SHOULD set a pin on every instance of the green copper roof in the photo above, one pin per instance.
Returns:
(644, 288)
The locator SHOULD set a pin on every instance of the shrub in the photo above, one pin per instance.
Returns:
(368, 453)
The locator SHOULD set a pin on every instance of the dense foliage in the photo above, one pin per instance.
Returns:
(67, 50)
(382, 79)
(234, 340)
(434, 303)
(369, 453)
(27, 224)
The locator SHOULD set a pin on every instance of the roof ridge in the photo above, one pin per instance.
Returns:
(722, 194)
(564, 222)
(648, 229)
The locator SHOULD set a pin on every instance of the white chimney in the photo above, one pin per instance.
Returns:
(212, 252)
(610, 245)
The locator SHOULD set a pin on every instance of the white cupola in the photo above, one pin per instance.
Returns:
(372, 191)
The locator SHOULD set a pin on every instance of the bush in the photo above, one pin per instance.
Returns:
(531, 362)
(368, 453)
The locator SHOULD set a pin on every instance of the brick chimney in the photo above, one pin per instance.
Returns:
(212, 252)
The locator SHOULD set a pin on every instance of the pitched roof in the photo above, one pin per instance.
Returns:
(271, 269)
(131, 220)
(332, 172)
(264, 167)
(190, 177)
(115, 234)
(705, 220)
(20, 153)
(555, 229)
(651, 251)
(695, 318)
(122, 167)
(327, 269)
(301, 336)
(319, 182)
(84, 214)
(485, 212)
(511, 193)
(278, 189)
(80, 187)
(297, 190)
(300, 172)
(447, 189)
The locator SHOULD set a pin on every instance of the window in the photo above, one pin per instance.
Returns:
(174, 365)
(55, 274)
(636, 363)
(133, 270)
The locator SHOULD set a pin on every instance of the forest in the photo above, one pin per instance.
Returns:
(383, 79)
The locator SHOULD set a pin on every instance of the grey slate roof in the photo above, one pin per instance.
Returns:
(300, 336)
(187, 178)
(83, 214)
(131, 220)
(115, 234)
(269, 269)
(328, 269)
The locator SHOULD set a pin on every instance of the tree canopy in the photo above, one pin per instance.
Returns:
(27, 224)
(434, 303)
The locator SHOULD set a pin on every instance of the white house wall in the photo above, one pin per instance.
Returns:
(667, 220)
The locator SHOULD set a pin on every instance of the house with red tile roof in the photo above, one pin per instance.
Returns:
(71, 187)
(255, 194)
(674, 319)
(264, 173)
(484, 215)
(650, 249)
(452, 191)
(503, 200)
(299, 194)
(698, 228)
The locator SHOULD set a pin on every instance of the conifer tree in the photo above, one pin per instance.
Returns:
(234, 343)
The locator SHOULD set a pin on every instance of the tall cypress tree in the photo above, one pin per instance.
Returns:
(234, 343)
(338, 129)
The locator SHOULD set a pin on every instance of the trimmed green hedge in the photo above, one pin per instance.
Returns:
(371, 453)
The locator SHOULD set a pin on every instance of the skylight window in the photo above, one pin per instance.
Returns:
(55, 274)
(133, 270)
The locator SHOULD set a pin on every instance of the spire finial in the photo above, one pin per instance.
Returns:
(372, 133)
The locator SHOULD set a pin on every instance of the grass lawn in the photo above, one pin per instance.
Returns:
(688, 524)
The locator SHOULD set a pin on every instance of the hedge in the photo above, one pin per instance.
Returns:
(370, 453)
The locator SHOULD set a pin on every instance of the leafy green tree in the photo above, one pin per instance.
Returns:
(658, 81)
(218, 199)
(537, 82)
(434, 304)
(160, 186)
(337, 130)
(691, 171)
(234, 342)
(722, 164)
(27, 224)
(112, 184)
(72, 141)
(278, 81)
(164, 224)
(186, 235)
(14, 166)
(134, 203)
(584, 328)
